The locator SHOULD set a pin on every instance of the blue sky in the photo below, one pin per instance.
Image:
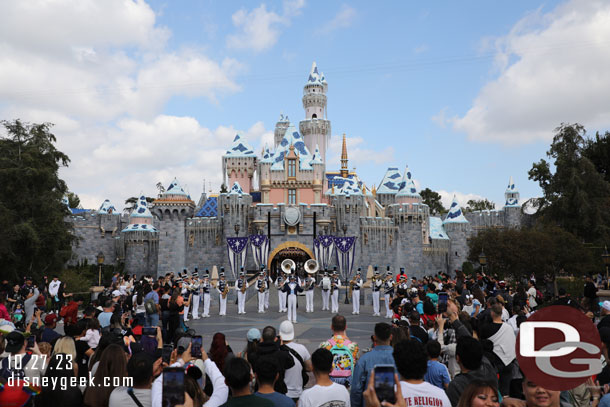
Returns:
(466, 93)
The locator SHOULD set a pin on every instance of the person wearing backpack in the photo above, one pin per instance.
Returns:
(151, 304)
(344, 351)
(29, 368)
(295, 377)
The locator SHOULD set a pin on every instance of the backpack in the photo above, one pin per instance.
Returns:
(343, 361)
(10, 370)
(150, 306)
(539, 297)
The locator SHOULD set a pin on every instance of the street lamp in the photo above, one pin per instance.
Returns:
(344, 229)
(236, 229)
(482, 259)
(100, 261)
(606, 260)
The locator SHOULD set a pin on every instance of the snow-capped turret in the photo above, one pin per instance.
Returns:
(511, 194)
(407, 192)
(455, 214)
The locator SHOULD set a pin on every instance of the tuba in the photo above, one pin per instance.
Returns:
(311, 266)
(288, 265)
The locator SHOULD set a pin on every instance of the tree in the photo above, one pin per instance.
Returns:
(433, 200)
(576, 196)
(35, 239)
(539, 250)
(131, 203)
(73, 200)
(479, 205)
(598, 151)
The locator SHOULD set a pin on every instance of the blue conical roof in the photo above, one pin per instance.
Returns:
(240, 148)
(141, 210)
(236, 189)
(106, 208)
(292, 137)
(455, 214)
(407, 185)
(391, 182)
(317, 157)
(175, 188)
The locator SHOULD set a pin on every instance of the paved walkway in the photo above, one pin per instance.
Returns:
(311, 329)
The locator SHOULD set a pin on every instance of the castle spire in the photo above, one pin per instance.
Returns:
(344, 171)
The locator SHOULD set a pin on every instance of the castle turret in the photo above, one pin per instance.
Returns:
(390, 184)
(280, 129)
(315, 128)
(512, 208)
(141, 241)
(239, 164)
(318, 175)
(407, 193)
(458, 228)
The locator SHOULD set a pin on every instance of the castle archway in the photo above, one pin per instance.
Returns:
(297, 252)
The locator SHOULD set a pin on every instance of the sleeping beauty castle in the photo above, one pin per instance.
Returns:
(287, 202)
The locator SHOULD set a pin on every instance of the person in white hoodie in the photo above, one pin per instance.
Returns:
(53, 291)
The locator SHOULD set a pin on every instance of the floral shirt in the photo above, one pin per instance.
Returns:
(353, 346)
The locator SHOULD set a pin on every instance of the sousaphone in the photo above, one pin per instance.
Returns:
(311, 266)
(288, 266)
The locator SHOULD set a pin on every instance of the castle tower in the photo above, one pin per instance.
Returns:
(512, 207)
(172, 207)
(315, 128)
(318, 175)
(458, 228)
(141, 241)
(407, 193)
(390, 184)
(280, 129)
(344, 170)
(239, 163)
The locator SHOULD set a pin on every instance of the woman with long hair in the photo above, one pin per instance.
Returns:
(59, 367)
(220, 351)
(3, 310)
(479, 394)
(138, 306)
(176, 305)
(113, 363)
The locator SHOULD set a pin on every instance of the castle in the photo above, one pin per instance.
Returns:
(287, 194)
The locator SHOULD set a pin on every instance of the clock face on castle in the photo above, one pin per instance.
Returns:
(292, 216)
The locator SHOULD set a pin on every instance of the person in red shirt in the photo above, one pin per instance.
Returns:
(70, 312)
(401, 274)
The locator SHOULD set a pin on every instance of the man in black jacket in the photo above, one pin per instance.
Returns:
(270, 346)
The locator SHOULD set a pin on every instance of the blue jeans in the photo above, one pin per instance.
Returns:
(152, 320)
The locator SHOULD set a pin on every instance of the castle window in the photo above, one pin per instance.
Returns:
(292, 168)
(292, 196)
(314, 116)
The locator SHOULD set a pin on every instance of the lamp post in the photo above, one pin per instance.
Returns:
(344, 227)
(606, 260)
(100, 261)
(482, 260)
(236, 229)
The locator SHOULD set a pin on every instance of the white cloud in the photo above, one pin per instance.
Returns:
(357, 153)
(343, 19)
(259, 29)
(552, 69)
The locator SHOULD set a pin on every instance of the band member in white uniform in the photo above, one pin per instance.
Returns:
(334, 297)
(205, 288)
(261, 288)
(222, 286)
(357, 286)
(325, 285)
(195, 289)
(241, 286)
(388, 289)
(310, 284)
(291, 288)
(281, 294)
(376, 288)
(269, 282)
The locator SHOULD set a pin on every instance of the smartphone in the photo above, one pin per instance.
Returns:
(442, 302)
(31, 341)
(384, 383)
(149, 331)
(166, 354)
(173, 386)
(196, 343)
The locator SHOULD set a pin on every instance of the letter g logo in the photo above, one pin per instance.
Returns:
(550, 350)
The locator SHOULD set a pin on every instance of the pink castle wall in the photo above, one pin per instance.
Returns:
(305, 196)
(242, 178)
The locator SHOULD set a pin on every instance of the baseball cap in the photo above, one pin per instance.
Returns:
(116, 293)
(286, 331)
(183, 343)
(605, 305)
(14, 342)
(253, 335)
(50, 318)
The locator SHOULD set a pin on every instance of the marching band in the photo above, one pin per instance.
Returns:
(196, 290)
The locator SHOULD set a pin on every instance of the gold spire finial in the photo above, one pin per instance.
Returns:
(344, 171)
(374, 191)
